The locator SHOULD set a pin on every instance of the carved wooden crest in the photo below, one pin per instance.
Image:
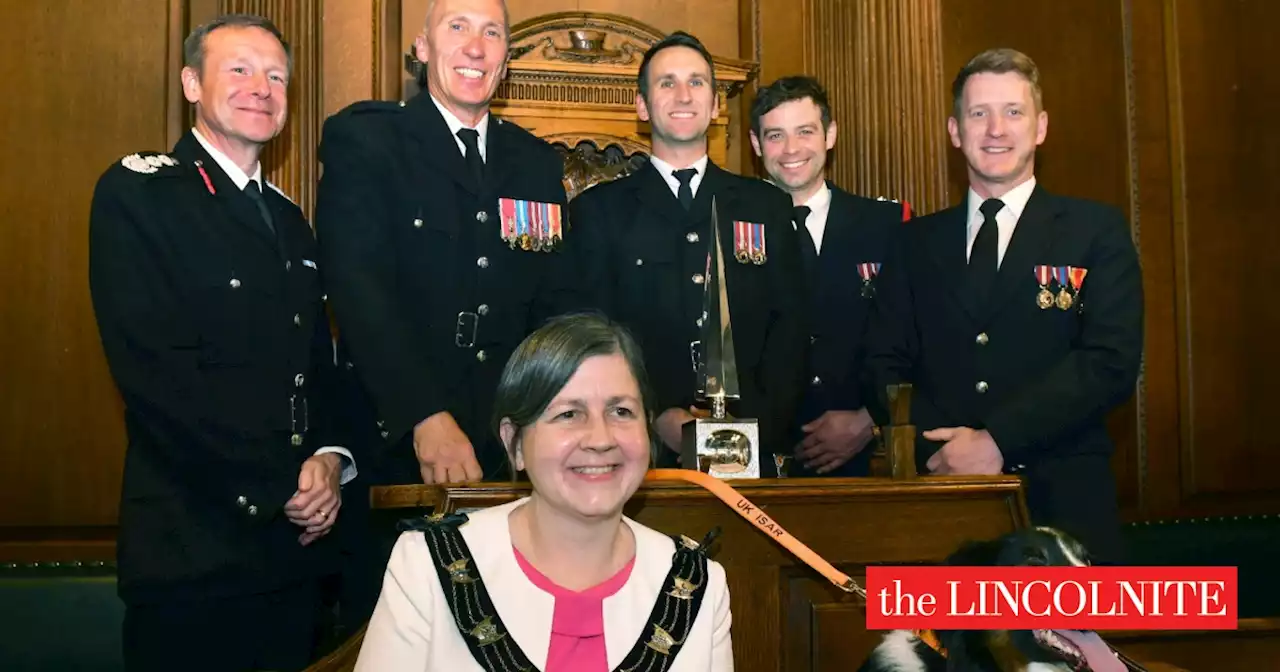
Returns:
(571, 80)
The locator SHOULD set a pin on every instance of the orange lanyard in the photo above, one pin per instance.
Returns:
(765, 523)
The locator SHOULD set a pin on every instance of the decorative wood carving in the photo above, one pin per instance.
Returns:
(881, 61)
(571, 79)
(291, 160)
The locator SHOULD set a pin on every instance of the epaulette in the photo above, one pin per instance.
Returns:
(364, 106)
(906, 207)
(148, 163)
(277, 190)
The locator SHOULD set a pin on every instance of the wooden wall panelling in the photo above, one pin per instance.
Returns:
(881, 62)
(88, 97)
(1225, 163)
(290, 160)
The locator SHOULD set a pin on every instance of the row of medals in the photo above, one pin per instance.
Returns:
(527, 242)
(1046, 301)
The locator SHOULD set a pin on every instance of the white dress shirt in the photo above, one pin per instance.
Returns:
(667, 171)
(413, 630)
(241, 180)
(819, 205)
(482, 127)
(1015, 201)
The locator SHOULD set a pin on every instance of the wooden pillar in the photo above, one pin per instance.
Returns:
(881, 61)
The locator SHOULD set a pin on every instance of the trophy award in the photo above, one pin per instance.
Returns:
(720, 445)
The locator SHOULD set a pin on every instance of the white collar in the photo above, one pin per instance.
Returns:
(667, 170)
(455, 124)
(820, 198)
(1015, 200)
(229, 167)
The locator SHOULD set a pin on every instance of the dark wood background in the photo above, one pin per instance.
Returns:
(1163, 108)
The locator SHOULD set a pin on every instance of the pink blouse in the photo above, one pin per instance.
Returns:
(577, 624)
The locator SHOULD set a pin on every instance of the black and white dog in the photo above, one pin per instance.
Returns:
(1003, 650)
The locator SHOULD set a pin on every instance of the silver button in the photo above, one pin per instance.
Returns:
(982, 338)
(698, 321)
(483, 309)
(481, 356)
(483, 262)
(298, 380)
(813, 339)
(288, 264)
(242, 501)
(639, 262)
(692, 237)
(235, 284)
(297, 319)
(482, 216)
(697, 278)
(402, 103)
(253, 510)
(417, 223)
(296, 439)
(981, 387)
(816, 380)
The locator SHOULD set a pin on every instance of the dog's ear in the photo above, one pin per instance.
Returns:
(975, 554)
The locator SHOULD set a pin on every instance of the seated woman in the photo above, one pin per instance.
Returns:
(559, 580)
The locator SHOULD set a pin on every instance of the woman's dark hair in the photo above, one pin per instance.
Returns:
(545, 361)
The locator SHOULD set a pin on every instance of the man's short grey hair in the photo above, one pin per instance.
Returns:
(506, 17)
(193, 49)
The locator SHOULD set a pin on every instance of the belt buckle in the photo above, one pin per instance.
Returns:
(695, 355)
(467, 322)
(293, 414)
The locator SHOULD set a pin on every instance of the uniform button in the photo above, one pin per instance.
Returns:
(982, 338)
(813, 339)
(350, 365)
(235, 284)
(481, 356)
(288, 264)
(483, 262)
(242, 501)
(817, 380)
(697, 278)
(692, 237)
(981, 387)
(639, 262)
(253, 510)
(417, 223)
(296, 439)
(297, 319)
(298, 380)
(483, 309)
(698, 321)
(482, 216)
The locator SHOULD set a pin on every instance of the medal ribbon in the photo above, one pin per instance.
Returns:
(1042, 275)
(1076, 275)
(765, 523)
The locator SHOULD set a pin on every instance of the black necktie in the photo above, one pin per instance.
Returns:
(685, 194)
(808, 249)
(984, 258)
(471, 140)
(252, 191)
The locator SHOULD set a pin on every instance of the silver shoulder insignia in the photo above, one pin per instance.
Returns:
(147, 164)
(277, 190)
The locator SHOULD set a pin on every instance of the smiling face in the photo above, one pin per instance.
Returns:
(682, 100)
(793, 145)
(466, 55)
(998, 131)
(240, 92)
(589, 450)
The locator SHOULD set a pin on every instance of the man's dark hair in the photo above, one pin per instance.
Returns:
(785, 90)
(193, 48)
(676, 39)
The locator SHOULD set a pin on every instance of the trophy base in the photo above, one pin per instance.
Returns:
(726, 448)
